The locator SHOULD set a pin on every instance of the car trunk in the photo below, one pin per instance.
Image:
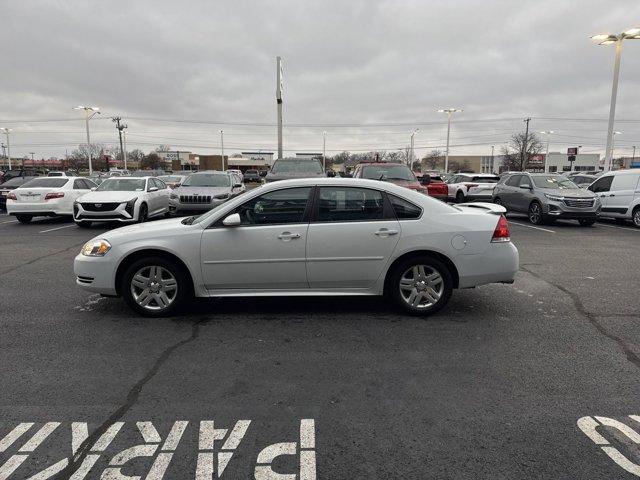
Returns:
(33, 195)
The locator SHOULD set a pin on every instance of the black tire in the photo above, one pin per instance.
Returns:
(635, 217)
(143, 213)
(24, 218)
(444, 288)
(586, 222)
(459, 196)
(84, 224)
(154, 309)
(535, 214)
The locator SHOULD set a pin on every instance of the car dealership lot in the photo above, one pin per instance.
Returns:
(491, 387)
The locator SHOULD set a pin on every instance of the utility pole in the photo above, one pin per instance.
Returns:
(120, 128)
(524, 144)
(324, 151)
(279, 102)
(410, 159)
(491, 167)
(124, 143)
(87, 117)
(6, 132)
(222, 148)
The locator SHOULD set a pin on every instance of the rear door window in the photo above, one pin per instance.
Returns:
(347, 204)
(404, 209)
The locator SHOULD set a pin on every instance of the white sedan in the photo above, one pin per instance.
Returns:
(46, 196)
(333, 236)
(123, 199)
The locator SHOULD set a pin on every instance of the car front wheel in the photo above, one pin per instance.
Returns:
(421, 285)
(635, 217)
(155, 286)
(535, 213)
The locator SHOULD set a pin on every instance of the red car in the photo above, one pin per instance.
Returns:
(437, 188)
(390, 172)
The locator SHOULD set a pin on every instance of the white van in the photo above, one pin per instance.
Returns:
(619, 194)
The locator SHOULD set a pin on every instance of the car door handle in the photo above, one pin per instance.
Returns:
(612, 195)
(288, 236)
(385, 232)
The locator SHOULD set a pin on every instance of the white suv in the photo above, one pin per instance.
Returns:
(619, 193)
(465, 187)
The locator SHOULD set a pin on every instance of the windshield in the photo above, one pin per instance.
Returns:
(120, 184)
(388, 172)
(46, 183)
(207, 180)
(486, 179)
(170, 178)
(288, 166)
(553, 181)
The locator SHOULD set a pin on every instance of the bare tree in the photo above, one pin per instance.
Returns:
(163, 148)
(512, 152)
(136, 155)
(434, 159)
(152, 161)
(79, 158)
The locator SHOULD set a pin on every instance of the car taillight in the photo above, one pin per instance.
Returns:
(52, 195)
(471, 185)
(11, 196)
(501, 233)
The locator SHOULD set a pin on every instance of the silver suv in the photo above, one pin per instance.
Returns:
(204, 190)
(546, 197)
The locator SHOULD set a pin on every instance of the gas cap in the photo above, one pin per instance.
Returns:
(459, 242)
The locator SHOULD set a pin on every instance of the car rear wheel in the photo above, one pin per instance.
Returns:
(635, 217)
(155, 286)
(586, 222)
(24, 218)
(421, 285)
(535, 213)
(460, 196)
(83, 224)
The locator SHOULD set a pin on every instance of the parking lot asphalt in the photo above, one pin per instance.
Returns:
(492, 387)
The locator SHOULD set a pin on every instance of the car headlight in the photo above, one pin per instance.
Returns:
(555, 198)
(223, 196)
(96, 248)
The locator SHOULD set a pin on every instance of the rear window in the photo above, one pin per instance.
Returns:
(404, 210)
(46, 183)
(485, 179)
(15, 182)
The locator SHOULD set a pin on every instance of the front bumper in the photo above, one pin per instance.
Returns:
(175, 206)
(95, 274)
(558, 209)
(119, 214)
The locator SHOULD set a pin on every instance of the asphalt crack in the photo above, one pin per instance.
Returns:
(131, 399)
(32, 261)
(591, 317)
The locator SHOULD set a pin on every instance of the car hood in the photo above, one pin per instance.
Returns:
(108, 197)
(148, 229)
(413, 185)
(570, 193)
(201, 190)
(272, 177)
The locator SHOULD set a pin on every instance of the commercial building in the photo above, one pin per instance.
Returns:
(559, 162)
(252, 160)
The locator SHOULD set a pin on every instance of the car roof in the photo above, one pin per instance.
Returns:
(491, 175)
(209, 172)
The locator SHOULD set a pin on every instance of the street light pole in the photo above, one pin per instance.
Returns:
(491, 167)
(124, 144)
(411, 148)
(449, 112)
(222, 148)
(608, 39)
(87, 117)
(279, 102)
(613, 147)
(6, 132)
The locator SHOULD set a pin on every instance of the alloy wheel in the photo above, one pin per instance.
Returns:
(154, 287)
(421, 286)
(535, 215)
(636, 217)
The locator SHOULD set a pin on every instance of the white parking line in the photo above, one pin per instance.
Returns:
(621, 228)
(10, 221)
(57, 228)
(531, 226)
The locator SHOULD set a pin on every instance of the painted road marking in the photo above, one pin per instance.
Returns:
(618, 227)
(58, 228)
(216, 447)
(9, 221)
(531, 226)
(588, 426)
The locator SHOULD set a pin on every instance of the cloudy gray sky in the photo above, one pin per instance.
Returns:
(368, 72)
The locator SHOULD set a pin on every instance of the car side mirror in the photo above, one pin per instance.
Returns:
(93, 189)
(152, 189)
(232, 220)
(426, 179)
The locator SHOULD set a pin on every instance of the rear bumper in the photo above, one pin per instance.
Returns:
(49, 209)
(498, 264)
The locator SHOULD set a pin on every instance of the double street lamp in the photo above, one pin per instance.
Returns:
(88, 116)
(614, 39)
(449, 112)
